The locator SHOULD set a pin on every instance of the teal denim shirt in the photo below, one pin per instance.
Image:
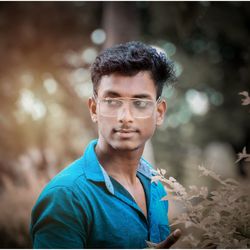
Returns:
(82, 207)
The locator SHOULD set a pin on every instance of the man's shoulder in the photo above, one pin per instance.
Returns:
(69, 176)
(75, 173)
(67, 179)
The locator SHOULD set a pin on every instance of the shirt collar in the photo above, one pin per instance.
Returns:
(145, 168)
(95, 172)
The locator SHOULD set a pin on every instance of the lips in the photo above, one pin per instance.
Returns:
(125, 130)
(125, 133)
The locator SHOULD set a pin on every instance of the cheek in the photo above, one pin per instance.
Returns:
(148, 126)
(105, 124)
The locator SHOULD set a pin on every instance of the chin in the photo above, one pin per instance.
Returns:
(126, 145)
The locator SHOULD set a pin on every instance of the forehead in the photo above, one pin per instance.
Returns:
(140, 84)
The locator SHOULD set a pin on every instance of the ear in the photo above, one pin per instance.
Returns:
(161, 110)
(92, 108)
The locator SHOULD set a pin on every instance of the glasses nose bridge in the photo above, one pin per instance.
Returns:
(125, 108)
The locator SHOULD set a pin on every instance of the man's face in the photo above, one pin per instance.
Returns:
(126, 131)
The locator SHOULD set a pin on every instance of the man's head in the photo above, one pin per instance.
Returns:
(130, 58)
(128, 80)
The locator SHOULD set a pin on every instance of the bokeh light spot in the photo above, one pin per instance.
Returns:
(50, 85)
(169, 48)
(98, 36)
(216, 98)
(197, 101)
(31, 105)
(178, 69)
(89, 55)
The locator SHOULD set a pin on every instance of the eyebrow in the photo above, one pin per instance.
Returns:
(110, 93)
(143, 96)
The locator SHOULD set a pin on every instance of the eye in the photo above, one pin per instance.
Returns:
(112, 102)
(140, 104)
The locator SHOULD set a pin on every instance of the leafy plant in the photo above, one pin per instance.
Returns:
(212, 219)
(218, 218)
(245, 101)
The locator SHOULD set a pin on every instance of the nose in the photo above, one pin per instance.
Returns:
(124, 114)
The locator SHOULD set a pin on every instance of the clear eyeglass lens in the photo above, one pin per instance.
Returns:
(139, 108)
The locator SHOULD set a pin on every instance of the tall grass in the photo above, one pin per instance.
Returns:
(16, 202)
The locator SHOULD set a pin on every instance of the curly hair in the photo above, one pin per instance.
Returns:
(129, 59)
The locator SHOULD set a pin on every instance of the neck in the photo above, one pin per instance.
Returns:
(121, 165)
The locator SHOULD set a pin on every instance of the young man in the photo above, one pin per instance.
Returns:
(106, 198)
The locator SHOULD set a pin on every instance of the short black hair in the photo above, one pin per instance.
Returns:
(129, 59)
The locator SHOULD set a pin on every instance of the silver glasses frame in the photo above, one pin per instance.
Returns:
(155, 103)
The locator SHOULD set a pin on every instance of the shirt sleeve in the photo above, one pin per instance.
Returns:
(58, 220)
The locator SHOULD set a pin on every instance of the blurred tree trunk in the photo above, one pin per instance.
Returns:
(121, 24)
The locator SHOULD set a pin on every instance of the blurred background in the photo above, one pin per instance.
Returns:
(46, 49)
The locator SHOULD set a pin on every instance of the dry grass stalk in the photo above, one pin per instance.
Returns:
(16, 204)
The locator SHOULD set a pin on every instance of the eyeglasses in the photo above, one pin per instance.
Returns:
(139, 108)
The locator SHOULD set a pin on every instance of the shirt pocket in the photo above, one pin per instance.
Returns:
(164, 231)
